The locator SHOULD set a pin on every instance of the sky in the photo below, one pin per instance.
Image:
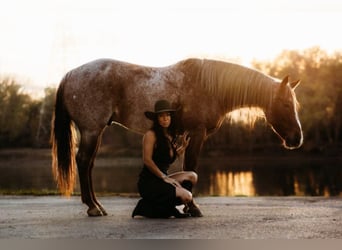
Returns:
(41, 40)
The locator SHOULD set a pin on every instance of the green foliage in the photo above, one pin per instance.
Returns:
(23, 120)
(13, 113)
(46, 108)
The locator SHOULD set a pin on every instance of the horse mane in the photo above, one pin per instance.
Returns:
(235, 86)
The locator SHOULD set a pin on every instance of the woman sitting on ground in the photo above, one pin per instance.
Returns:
(160, 192)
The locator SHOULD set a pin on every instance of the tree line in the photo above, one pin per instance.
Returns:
(25, 121)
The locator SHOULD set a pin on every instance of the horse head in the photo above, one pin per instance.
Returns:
(282, 114)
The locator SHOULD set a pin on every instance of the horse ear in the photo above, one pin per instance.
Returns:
(294, 84)
(284, 82)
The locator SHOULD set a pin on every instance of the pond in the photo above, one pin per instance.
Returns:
(223, 176)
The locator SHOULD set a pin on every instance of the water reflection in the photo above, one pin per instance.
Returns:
(251, 176)
(229, 177)
(225, 183)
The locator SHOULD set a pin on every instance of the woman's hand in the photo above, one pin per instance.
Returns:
(184, 142)
(171, 181)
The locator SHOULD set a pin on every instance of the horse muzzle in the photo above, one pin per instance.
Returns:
(293, 142)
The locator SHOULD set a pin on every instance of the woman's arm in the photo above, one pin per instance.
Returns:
(149, 140)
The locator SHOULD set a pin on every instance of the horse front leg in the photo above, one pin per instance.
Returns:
(192, 152)
(85, 161)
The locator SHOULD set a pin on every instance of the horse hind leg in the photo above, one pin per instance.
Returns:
(88, 147)
(99, 205)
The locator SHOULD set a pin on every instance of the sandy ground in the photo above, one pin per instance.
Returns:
(54, 217)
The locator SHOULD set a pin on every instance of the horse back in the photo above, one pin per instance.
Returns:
(107, 90)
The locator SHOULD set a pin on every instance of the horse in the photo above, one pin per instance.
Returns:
(106, 91)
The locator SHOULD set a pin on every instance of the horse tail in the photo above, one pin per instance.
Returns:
(63, 136)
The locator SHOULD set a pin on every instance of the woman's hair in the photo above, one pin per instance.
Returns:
(158, 130)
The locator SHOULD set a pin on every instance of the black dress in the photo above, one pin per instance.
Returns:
(158, 197)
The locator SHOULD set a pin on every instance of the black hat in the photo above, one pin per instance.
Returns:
(159, 107)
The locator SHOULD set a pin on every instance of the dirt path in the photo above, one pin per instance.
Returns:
(56, 217)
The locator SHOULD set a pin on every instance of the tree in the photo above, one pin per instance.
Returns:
(41, 124)
(13, 113)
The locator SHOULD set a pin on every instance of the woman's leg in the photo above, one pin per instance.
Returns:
(184, 195)
(188, 179)
(185, 176)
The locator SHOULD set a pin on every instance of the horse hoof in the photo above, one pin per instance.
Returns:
(92, 212)
(104, 212)
(100, 207)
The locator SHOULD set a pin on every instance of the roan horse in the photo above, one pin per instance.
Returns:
(104, 91)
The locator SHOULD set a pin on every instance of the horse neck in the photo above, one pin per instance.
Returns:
(251, 93)
(237, 87)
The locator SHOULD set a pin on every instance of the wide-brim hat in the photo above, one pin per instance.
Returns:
(159, 107)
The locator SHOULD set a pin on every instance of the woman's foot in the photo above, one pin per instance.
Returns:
(135, 212)
(139, 209)
(192, 209)
(179, 215)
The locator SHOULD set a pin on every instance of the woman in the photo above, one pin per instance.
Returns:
(160, 192)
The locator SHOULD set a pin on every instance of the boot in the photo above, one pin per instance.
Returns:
(179, 215)
(191, 207)
(147, 209)
(141, 209)
(151, 210)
